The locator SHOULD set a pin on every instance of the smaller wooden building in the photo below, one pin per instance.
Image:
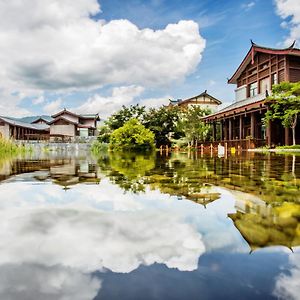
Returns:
(64, 125)
(203, 100)
(70, 124)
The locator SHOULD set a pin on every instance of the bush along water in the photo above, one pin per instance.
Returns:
(132, 136)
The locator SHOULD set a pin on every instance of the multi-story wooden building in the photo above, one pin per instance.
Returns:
(243, 119)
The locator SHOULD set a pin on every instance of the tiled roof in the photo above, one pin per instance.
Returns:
(239, 104)
(23, 124)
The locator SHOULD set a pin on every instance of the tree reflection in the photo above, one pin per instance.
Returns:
(266, 188)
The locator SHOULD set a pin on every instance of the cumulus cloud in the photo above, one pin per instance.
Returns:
(90, 240)
(32, 281)
(53, 106)
(289, 10)
(288, 284)
(57, 45)
(155, 102)
(124, 95)
(38, 100)
(9, 103)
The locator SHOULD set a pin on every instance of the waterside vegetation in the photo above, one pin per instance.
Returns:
(135, 128)
(8, 147)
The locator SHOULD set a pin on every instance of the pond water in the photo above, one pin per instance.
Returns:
(150, 227)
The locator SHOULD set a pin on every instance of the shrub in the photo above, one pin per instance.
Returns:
(132, 136)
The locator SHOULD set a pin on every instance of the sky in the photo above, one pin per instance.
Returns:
(94, 56)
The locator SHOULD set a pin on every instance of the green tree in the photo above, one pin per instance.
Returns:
(284, 105)
(193, 127)
(119, 118)
(132, 136)
(104, 133)
(163, 122)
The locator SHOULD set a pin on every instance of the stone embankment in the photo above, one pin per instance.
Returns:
(75, 147)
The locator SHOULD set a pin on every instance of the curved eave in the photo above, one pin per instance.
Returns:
(235, 111)
(251, 53)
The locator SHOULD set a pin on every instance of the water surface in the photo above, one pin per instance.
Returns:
(150, 227)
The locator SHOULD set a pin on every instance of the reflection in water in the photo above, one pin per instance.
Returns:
(33, 281)
(288, 282)
(129, 212)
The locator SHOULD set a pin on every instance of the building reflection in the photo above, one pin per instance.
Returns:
(264, 225)
(62, 171)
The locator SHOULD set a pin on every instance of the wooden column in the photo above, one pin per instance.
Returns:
(214, 131)
(241, 127)
(252, 132)
(225, 130)
(230, 129)
(221, 131)
(286, 136)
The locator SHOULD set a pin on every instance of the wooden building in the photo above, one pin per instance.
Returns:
(70, 124)
(61, 126)
(241, 123)
(11, 128)
(204, 100)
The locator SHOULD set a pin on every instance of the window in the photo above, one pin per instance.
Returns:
(274, 79)
(253, 89)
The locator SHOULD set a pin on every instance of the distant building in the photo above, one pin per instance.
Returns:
(204, 100)
(243, 119)
(63, 125)
(71, 124)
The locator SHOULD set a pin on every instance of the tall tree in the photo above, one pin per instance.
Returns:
(284, 105)
(163, 122)
(193, 126)
(122, 116)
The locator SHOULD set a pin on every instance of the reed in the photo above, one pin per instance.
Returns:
(9, 147)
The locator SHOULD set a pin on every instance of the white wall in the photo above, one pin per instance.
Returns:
(212, 107)
(241, 93)
(63, 129)
(88, 122)
(4, 131)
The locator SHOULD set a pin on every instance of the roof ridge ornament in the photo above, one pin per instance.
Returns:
(252, 43)
(293, 44)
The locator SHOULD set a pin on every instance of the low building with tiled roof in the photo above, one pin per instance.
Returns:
(64, 124)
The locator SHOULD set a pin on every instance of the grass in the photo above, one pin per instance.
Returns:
(98, 147)
(8, 147)
(289, 147)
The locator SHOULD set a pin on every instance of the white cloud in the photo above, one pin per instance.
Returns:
(31, 281)
(38, 100)
(155, 102)
(290, 9)
(288, 284)
(53, 106)
(9, 104)
(123, 95)
(56, 45)
(248, 6)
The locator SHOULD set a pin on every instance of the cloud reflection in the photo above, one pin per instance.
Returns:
(288, 284)
(31, 281)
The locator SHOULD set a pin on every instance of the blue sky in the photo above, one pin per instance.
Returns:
(38, 83)
(227, 26)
